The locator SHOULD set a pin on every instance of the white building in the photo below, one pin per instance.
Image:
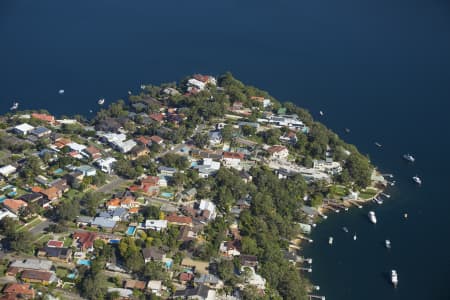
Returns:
(328, 166)
(155, 287)
(209, 206)
(157, 225)
(76, 147)
(215, 137)
(106, 165)
(196, 84)
(278, 152)
(232, 160)
(7, 170)
(6, 213)
(23, 129)
(124, 146)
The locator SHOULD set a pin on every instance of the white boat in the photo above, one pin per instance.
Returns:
(129, 92)
(405, 215)
(345, 229)
(321, 113)
(388, 244)
(378, 144)
(372, 217)
(330, 240)
(377, 200)
(409, 157)
(61, 92)
(394, 278)
(14, 106)
(142, 86)
(417, 179)
(347, 130)
(101, 101)
(354, 237)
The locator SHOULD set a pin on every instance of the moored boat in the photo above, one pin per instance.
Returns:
(394, 278)
(14, 106)
(345, 229)
(101, 101)
(372, 217)
(409, 157)
(417, 179)
(388, 244)
(330, 240)
(61, 92)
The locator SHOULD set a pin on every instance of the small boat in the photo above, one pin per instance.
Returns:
(409, 157)
(417, 179)
(388, 244)
(129, 92)
(61, 92)
(142, 86)
(91, 111)
(345, 229)
(321, 113)
(354, 237)
(101, 101)
(378, 144)
(14, 106)
(330, 240)
(405, 215)
(394, 278)
(347, 130)
(378, 201)
(372, 217)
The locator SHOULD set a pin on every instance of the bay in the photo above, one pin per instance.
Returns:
(380, 68)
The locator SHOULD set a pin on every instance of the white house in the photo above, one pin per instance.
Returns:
(6, 213)
(155, 286)
(196, 84)
(87, 170)
(215, 137)
(124, 146)
(233, 160)
(208, 168)
(254, 279)
(106, 164)
(7, 170)
(23, 129)
(157, 225)
(209, 206)
(278, 152)
(228, 248)
(76, 147)
(328, 166)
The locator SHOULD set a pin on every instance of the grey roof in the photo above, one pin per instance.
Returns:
(153, 253)
(119, 212)
(309, 210)
(40, 130)
(33, 264)
(207, 278)
(104, 222)
(85, 219)
(167, 169)
(191, 192)
(200, 291)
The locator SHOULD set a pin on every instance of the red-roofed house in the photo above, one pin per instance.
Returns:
(233, 160)
(55, 244)
(156, 139)
(84, 240)
(157, 117)
(93, 152)
(19, 291)
(148, 185)
(278, 151)
(144, 140)
(179, 220)
(186, 277)
(44, 117)
(13, 205)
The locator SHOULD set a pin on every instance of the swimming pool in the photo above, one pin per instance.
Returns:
(2, 198)
(131, 230)
(167, 195)
(114, 242)
(84, 262)
(58, 171)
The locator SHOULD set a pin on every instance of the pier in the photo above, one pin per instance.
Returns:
(316, 297)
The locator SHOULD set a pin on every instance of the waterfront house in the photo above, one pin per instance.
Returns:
(44, 117)
(278, 152)
(23, 129)
(41, 132)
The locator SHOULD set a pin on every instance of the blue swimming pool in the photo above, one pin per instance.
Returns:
(131, 230)
(72, 276)
(58, 171)
(2, 198)
(114, 242)
(167, 195)
(84, 262)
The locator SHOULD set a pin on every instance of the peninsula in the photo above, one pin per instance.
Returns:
(193, 190)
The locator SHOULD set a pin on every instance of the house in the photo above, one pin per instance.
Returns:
(254, 279)
(6, 213)
(41, 277)
(208, 206)
(29, 264)
(157, 117)
(14, 206)
(55, 244)
(153, 254)
(208, 168)
(44, 117)
(7, 170)
(108, 124)
(143, 140)
(245, 176)
(52, 193)
(124, 146)
(327, 166)
(157, 225)
(179, 220)
(194, 85)
(233, 160)
(248, 260)
(75, 147)
(84, 220)
(206, 79)
(55, 253)
(86, 170)
(289, 137)
(167, 171)
(155, 287)
(209, 280)
(19, 291)
(265, 102)
(122, 293)
(148, 185)
(190, 194)
(73, 178)
(134, 284)
(230, 248)
(278, 152)
(41, 132)
(200, 292)
(61, 142)
(119, 214)
(106, 165)
(215, 137)
(105, 223)
(84, 240)
(185, 277)
(156, 139)
(139, 150)
(93, 153)
(23, 129)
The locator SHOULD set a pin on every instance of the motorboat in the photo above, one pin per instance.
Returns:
(354, 237)
(388, 244)
(347, 130)
(61, 92)
(330, 240)
(345, 229)
(394, 278)
(409, 157)
(417, 179)
(372, 217)
(378, 200)
(378, 144)
(405, 215)
(142, 86)
(101, 101)
(14, 106)
(321, 113)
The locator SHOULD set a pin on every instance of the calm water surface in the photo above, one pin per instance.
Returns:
(380, 68)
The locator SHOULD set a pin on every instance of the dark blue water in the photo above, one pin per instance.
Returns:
(380, 68)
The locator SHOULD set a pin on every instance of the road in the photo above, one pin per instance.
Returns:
(112, 185)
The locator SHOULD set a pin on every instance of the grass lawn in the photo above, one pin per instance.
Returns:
(61, 272)
(367, 193)
(68, 242)
(30, 224)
